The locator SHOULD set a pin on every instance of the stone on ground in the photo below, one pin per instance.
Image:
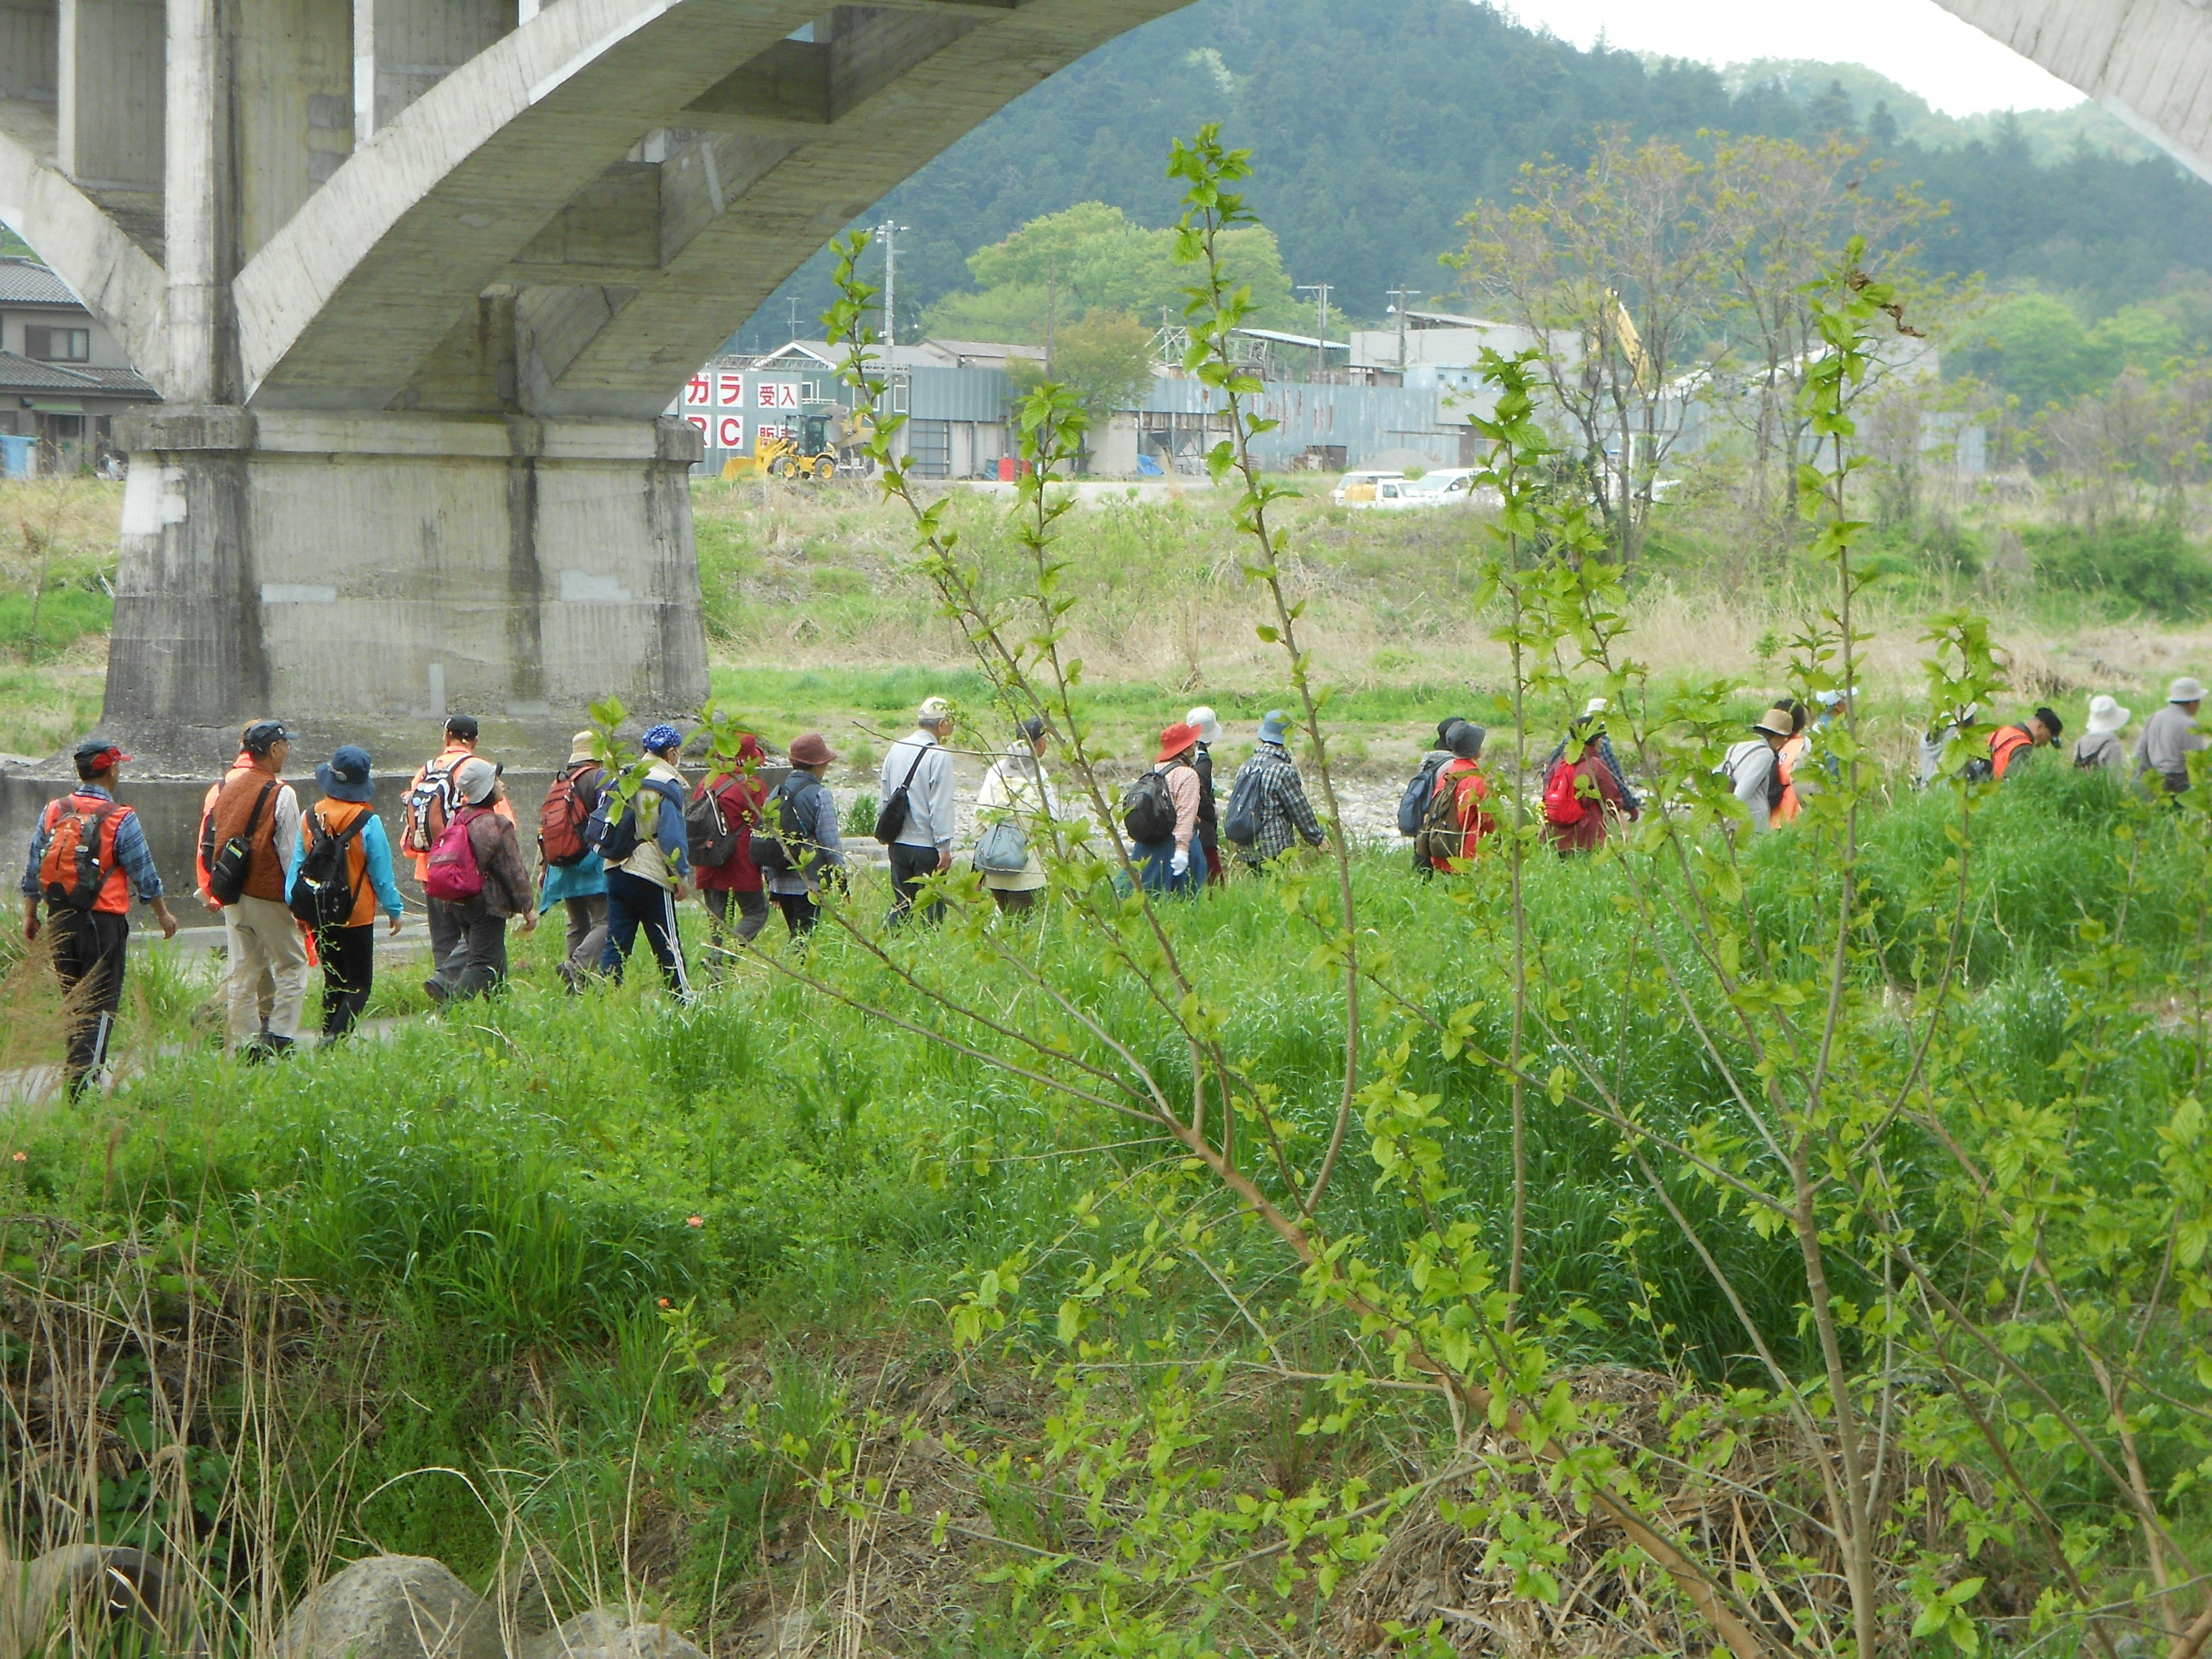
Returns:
(392, 1607)
(605, 1634)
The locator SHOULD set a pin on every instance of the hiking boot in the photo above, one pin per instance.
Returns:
(435, 991)
(276, 1047)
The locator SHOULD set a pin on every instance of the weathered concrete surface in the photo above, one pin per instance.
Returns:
(2147, 61)
(365, 575)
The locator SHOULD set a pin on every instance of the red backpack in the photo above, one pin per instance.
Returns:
(454, 876)
(1562, 804)
(561, 820)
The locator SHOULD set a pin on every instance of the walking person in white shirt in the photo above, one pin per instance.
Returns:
(917, 818)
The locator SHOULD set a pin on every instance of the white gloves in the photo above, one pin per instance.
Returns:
(1180, 863)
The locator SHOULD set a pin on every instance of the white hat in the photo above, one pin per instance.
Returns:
(932, 710)
(2184, 689)
(2106, 715)
(1595, 706)
(1829, 699)
(1209, 725)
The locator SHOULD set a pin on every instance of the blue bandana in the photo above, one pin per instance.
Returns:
(661, 736)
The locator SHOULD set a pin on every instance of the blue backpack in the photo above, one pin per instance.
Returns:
(1413, 804)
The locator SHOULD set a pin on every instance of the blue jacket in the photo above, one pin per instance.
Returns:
(586, 878)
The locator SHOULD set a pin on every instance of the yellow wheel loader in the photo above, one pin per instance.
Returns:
(830, 439)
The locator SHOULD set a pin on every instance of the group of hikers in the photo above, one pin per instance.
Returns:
(617, 841)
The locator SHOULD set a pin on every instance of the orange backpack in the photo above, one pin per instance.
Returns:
(80, 853)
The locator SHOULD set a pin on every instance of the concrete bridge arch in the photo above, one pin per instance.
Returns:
(416, 278)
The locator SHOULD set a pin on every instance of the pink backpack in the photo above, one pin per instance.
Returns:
(453, 876)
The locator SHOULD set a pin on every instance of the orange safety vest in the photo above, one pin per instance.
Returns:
(1785, 763)
(115, 887)
(338, 817)
(2008, 743)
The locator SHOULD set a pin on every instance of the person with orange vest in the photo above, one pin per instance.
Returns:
(88, 855)
(1787, 759)
(345, 817)
(2011, 743)
(432, 797)
(258, 811)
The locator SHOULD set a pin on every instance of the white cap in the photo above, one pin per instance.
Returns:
(1209, 727)
(932, 710)
(1595, 706)
(2105, 714)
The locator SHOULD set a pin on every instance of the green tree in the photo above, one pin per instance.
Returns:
(1104, 360)
(1090, 258)
(2036, 347)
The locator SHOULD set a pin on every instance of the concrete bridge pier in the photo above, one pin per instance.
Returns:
(362, 575)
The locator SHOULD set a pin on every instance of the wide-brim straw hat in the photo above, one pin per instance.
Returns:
(1775, 722)
(2105, 714)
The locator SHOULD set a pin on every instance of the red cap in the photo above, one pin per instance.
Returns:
(99, 757)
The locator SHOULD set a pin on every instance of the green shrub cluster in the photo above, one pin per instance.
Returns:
(2138, 565)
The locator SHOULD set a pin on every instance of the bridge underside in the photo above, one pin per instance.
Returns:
(416, 279)
(2149, 61)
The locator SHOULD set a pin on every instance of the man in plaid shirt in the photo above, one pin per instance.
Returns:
(1282, 814)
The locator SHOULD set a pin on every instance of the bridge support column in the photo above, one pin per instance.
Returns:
(360, 577)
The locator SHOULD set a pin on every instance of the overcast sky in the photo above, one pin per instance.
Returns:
(1916, 43)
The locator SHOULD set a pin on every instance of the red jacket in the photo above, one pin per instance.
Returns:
(742, 797)
(1598, 814)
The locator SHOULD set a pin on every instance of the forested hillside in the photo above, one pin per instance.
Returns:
(1378, 123)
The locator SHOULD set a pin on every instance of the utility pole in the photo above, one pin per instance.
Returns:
(888, 233)
(793, 336)
(1403, 297)
(1051, 306)
(1320, 291)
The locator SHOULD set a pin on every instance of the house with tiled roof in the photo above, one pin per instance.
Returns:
(62, 377)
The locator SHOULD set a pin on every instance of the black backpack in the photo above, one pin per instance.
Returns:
(782, 843)
(1147, 809)
(323, 891)
(615, 838)
(713, 838)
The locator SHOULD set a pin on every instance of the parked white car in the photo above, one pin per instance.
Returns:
(1358, 489)
(1452, 487)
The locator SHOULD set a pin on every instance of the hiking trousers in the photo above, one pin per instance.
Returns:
(264, 936)
(88, 947)
(349, 974)
(446, 939)
(801, 914)
(910, 867)
(587, 936)
(634, 903)
(753, 914)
